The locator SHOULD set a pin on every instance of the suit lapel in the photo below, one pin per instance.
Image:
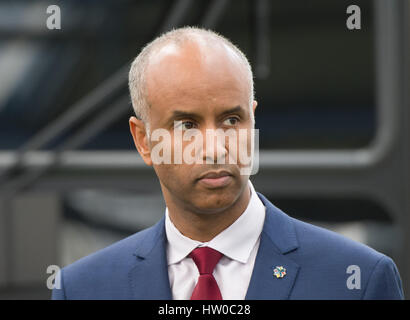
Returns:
(264, 285)
(149, 278)
(277, 239)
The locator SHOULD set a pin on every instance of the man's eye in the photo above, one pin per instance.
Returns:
(185, 125)
(231, 121)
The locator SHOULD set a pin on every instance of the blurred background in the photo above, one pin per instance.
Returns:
(333, 114)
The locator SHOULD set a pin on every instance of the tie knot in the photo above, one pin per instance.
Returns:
(205, 259)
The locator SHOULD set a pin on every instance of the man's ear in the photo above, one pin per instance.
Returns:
(138, 132)
(254, 105)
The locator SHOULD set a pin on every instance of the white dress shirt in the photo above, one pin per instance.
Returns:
(238, 243)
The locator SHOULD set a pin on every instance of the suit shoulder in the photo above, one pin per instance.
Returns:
(328, 260)
(115, 255)
(328, 243)
(91, 276)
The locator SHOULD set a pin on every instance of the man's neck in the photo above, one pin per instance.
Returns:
(204, 227)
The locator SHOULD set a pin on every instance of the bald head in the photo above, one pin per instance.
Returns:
(183, 60)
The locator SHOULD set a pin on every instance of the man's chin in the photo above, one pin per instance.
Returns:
(214, 201)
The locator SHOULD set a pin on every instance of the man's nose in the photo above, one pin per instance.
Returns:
(214, 146)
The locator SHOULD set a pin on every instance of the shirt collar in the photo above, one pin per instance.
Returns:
(235, 242)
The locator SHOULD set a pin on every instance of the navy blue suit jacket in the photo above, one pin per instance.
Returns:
(316, 262)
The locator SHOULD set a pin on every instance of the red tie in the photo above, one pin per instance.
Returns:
(206, 259)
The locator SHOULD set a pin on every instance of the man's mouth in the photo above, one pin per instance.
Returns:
(215, 179)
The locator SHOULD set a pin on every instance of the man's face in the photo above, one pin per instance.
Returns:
(200, 87)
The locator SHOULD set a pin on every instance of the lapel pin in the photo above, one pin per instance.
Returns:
(279, 272)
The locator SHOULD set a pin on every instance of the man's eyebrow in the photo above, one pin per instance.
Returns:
(183, 114)
(232, 110)
(178, 114)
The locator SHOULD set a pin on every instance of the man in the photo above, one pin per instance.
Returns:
(218, 239)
